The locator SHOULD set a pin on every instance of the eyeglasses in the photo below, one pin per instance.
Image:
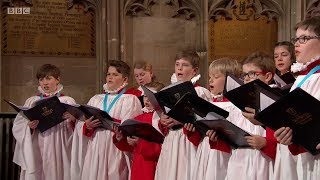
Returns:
(251, 74)
(304, 39)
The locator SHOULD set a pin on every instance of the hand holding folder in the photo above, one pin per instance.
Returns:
(48, 111)
(297, 110)
(132, 127)
(105, 119)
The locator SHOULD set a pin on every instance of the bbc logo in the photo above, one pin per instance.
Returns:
(19, 10)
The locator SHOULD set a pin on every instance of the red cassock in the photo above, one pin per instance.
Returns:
(145, 154)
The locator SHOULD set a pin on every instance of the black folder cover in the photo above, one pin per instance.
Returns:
(170, 95)
(48, 111)
(246, 95)
(299, 111)
(226, 130)
(132, 127)
(284, 82)
(191, 106)
(105, 119)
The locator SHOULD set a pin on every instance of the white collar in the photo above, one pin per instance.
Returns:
(296, 67)
(59, 89)
(193, 80)
(145, 110)
(105, 88)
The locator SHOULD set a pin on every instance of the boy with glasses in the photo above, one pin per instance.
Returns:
(302, 165)
(255, 163)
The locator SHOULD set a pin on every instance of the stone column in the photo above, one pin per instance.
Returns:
(113, 29)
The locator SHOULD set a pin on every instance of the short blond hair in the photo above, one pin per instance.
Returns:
(225, 65)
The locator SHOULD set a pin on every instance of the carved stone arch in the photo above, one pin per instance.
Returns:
(226, 8)
(313, 8)
(133, 7)
(88, 4)
(188, 8)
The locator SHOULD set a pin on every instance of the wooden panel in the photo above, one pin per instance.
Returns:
(241, 36)
(49, 30)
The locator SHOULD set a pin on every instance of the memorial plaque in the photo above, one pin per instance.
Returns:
(51, 29)
(241, 35)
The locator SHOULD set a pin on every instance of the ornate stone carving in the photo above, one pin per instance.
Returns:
(244, 9)
(313, 8)
(88, 4)
(183, 7)
(133, 7)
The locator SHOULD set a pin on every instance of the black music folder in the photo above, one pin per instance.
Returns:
(284, 82)
(132, 127)
(297, 110)
(48, 111)
(169, 96)
(192, 107)
(226, 131)
(105, 119)
(245, 95)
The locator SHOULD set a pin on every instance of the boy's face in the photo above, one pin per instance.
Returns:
(147, 103)
(308, 50)
(184, 70)
(251, 72)
(282, 59)
(114, 78)
(142, 77)
(216, 82)
(49, 84)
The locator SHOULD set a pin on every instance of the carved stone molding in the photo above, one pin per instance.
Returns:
(244, 9)
(313, 8)
(133, 7)
(88, 4)
(189, 9)
(10, 2)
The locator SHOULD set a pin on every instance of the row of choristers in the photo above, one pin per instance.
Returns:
(78, 149)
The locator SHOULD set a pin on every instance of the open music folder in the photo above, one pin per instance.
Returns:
(132, 127)
(105, 119)
(245, 95)
(48, 111)
(297, 110)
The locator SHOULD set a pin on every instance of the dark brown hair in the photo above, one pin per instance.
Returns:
(48, 70)
(261, 60)
(189, 55)
(120, 66)
(311, 24)
(290, 48)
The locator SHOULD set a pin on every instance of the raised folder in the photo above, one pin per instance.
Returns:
(169, 95)
(245, 95)
(48, 111)
(210, 116)
(284, 82)
(192, 107)
(105, 119)
(131, 127)
(297, 110)
(226, 131)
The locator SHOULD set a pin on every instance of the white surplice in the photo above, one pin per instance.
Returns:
(177, 155)
(212, 163)
(304, 166)
(248, 164)
(44, 155)
(103, 160)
